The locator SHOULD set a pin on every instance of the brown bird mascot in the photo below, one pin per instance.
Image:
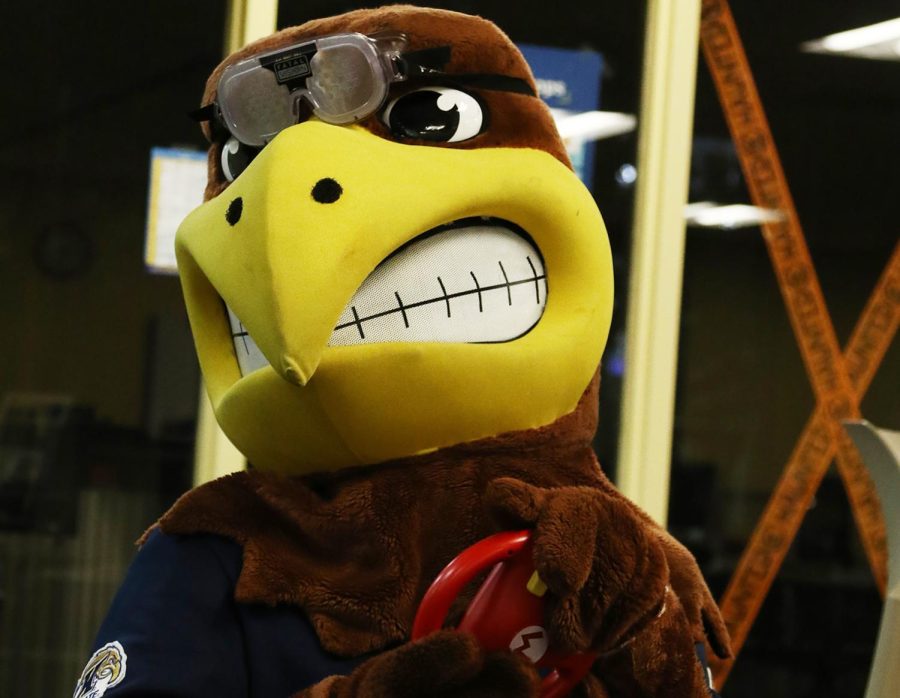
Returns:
(399, 294)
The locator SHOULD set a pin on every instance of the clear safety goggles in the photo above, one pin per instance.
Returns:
(341, 78)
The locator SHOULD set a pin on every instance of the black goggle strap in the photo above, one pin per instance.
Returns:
(211, 114)
(413, 64)
(208, 112)
(429, 64)
(488, 81)
(482, 81)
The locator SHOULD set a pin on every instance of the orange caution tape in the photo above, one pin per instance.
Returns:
(839, 381)
(806, 467)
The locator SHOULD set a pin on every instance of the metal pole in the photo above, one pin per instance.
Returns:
(654, 300)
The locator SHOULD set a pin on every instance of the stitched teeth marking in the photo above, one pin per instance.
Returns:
(479, 283)
(249, 357)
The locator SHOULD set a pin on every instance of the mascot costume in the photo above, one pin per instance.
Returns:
(399, 294)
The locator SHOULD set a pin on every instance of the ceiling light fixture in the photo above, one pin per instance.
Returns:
(592, 125)
(708, 214)
(877, 41)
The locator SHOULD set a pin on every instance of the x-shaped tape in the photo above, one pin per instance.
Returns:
(838, 380)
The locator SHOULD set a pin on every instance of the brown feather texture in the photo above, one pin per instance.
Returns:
(357, 549)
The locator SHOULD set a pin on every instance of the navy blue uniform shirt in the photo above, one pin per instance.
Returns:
(175, 630)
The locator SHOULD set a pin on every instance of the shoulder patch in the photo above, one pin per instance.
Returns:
(105, 669)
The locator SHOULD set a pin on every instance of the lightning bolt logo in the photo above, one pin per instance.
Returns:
(531, 643)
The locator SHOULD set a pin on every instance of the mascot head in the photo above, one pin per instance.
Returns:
(394, 255)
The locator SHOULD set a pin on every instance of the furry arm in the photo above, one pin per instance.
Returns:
(443, 665)
(703, 614)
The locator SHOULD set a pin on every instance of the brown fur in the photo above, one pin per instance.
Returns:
(357, 549)
(661, 663)
(443, 665)
(516, 121)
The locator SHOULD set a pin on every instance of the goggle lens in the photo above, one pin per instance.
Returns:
(347, 83)
(347, 79)
(254, 106)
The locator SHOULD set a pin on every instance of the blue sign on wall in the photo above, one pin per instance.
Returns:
(568, 81)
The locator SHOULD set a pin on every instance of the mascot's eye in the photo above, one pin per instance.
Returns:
(435, 114)
(235, 157)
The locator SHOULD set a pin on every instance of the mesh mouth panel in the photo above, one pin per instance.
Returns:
(481, 283)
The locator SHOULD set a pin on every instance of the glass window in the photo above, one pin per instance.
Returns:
(743, 395)
(98, 379)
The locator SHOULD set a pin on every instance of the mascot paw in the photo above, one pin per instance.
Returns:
(441, 665)
(687, 582)
(662, 661)
(604, 566)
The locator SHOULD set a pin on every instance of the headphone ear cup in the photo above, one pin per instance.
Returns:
(235, 158)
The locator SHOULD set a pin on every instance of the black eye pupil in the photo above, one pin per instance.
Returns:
(236, 162)
(417, 115)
